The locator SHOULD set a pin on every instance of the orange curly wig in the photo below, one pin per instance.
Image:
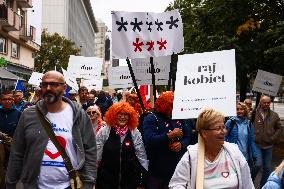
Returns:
(164, 104)
(121, 107)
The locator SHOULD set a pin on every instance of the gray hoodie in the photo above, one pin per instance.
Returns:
(30, 140)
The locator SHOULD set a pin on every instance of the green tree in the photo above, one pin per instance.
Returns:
(253, 27)
(3, 62)
(54, 51)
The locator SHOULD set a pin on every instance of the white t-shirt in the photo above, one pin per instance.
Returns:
(53, 174)
(221, 173)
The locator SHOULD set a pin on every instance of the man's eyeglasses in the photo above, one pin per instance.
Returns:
(217, 129)
(92, 112)
(51, 84)
(7, 99)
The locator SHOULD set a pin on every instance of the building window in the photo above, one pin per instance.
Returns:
(15, 50)
(3, 45)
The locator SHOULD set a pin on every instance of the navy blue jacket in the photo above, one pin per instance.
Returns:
(162, 161)
(8, 120)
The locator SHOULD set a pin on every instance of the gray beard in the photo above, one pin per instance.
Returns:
(50, 98)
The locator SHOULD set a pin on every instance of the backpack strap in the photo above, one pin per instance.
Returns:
(232, 124)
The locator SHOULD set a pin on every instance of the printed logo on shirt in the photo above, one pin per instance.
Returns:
(56, 129)
(225, 174)
(55, 155)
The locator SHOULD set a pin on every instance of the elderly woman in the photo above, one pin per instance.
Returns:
(240, 131)
(96, 118)
(122, 161)
(224, 165)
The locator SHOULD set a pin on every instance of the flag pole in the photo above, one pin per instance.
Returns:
(153, 78)
(135, 84)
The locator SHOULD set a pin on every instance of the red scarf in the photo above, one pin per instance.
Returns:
(100, 124)
(121, 131)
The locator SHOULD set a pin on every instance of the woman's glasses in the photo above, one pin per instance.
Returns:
(217, 129)
(92, 112)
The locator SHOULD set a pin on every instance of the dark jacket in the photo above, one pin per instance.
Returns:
(162, 161)
(266, 131)
(119, 166)
(30, 140)
(8, 120)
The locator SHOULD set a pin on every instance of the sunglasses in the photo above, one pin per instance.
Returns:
(92, 112)
(51, 84)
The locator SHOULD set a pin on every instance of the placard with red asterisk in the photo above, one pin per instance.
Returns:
(145, 34)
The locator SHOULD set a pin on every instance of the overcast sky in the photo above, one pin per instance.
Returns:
(102, 8)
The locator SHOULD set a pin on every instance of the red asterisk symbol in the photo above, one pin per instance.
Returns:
(138, 45)
(151, 45)
(162, 44)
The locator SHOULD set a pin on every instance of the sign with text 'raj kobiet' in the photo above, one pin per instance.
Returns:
(146, 34)
(119, 77)
(142, 70)
(205, 80)
(267, 83)
(85, 67)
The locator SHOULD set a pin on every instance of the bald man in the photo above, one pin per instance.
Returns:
(34, 157)
(266, 130)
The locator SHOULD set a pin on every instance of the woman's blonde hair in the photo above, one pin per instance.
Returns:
(208, 117)
(279, 169)
(244, 107)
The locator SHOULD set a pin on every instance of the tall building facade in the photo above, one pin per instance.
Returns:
(73, 19)
(19, 40)
(100, 39)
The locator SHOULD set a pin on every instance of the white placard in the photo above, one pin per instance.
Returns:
(85, 67)
(119, 77)
(267, 83)
(71, 81)
(35, 79)
(142, 70)
(205, 80)
(96, 84)
(146, 34)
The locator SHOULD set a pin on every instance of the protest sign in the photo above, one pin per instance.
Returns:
(85, 67)
(267, 83)
(146, 34)
(205, 80)
(142, 70)
(119, 77)
(96, 84)
(70, 80)
(35, 78)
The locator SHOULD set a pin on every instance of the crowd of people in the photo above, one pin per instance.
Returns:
(113, 143)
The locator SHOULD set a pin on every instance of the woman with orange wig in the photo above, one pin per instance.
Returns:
(166, 141)
(122, 160)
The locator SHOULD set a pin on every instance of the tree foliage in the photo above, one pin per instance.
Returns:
(254, 28)
(54, 51)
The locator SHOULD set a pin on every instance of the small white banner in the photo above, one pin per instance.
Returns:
(119, 77)
(205, 80)
(96, 84)
(142, 70)
(85, 67)
(35, 79)
(146, 34)
(70, 80)
(267, 83)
